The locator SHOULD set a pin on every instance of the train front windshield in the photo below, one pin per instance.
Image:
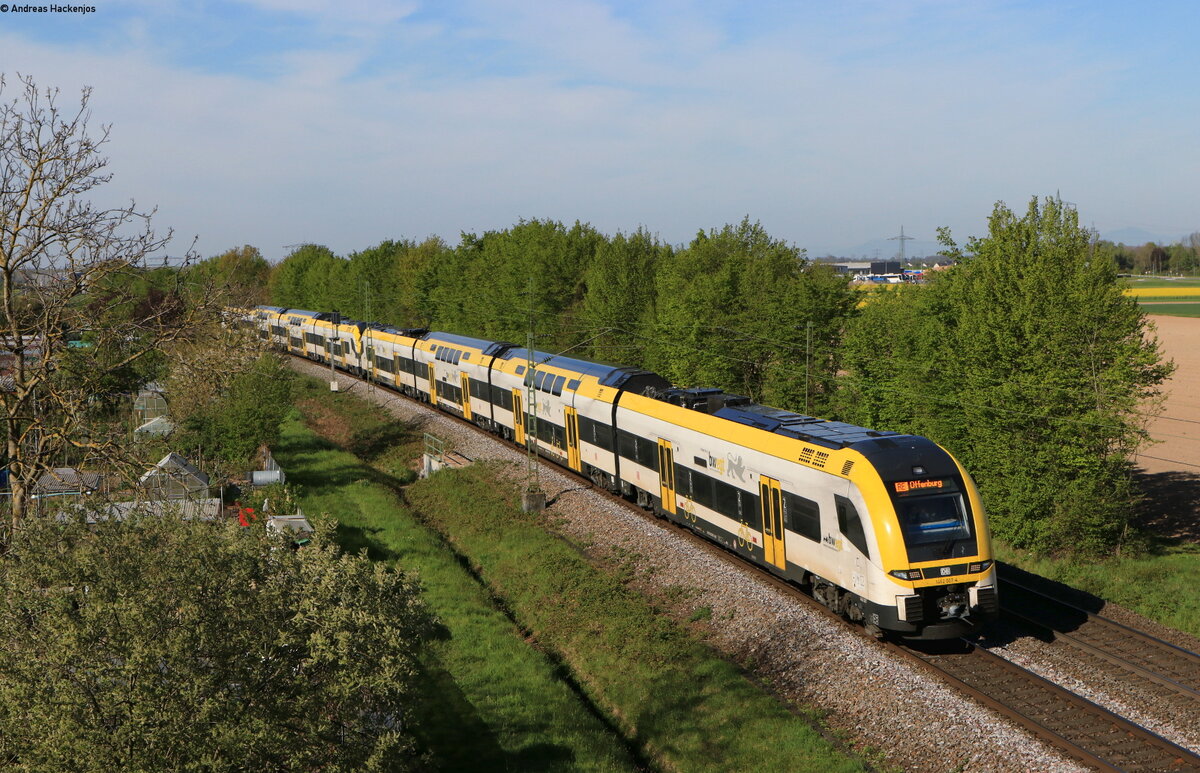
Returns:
(935, 520)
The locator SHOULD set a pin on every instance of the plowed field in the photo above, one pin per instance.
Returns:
(1172, 466)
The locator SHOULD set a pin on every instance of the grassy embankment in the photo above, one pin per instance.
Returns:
(1160, 584)
(588, 670)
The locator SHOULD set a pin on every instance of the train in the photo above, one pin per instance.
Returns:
(884, 528)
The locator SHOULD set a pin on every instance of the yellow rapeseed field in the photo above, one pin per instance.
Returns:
(1164, 292)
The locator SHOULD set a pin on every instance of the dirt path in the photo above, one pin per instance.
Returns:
(1172, 466)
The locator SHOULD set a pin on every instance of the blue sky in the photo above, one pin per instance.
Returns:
(276, 122)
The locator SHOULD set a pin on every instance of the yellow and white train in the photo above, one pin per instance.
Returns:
(886, 529)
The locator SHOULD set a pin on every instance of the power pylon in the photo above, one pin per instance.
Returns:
(902, 238)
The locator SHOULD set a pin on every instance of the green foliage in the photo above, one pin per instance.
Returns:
(240, 273)
(301, 280)
(482, 288)
(275, 499)
(1028, 363)
(620, 297)
(244, 416)
(161, 644)
(734, 310)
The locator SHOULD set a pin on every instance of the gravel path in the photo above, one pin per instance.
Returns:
(894, 713)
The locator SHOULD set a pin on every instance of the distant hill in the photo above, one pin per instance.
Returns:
(1136, 236)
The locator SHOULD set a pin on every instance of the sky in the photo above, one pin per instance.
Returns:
(281, 122)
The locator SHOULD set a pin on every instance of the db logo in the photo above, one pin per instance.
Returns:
(945, 571)
(901, 488)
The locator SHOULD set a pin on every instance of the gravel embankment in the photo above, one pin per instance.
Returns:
(907, 718)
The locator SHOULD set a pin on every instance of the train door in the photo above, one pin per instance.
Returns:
(572, 431)
(328, 349)
(466, 396)
(432, 385)
(518, 418)
(666, 475)
(771, 506)
(371, 361)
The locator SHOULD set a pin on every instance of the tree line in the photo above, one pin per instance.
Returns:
(1178, 258)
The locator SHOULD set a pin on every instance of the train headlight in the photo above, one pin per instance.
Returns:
(906, 574)
(978, 566)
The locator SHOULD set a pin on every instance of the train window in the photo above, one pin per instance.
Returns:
(702, 489)
(935, 527)
(466, 355)
(683, 481)
(457, 356)
(601, 435)
(851, 525)
(802, 516)
(558, 385)
(647, 453)
(627, 445)
(538, 378)
(573, 384)
(520, 369)
(726, 499)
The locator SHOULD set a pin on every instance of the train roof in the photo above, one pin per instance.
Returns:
(823, 432)
(566, 363)
(484, 345)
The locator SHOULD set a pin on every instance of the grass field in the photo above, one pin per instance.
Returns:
(549, 662)
(1166, 308)
(1158, 282)
(490, 701)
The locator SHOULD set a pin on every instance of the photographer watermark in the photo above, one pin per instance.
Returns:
(52, 8)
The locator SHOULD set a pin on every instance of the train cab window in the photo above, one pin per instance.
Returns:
(803, 516)
(851, 525)
(936, 527)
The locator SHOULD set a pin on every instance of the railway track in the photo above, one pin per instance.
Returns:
(1086, 731)
(1080, 728)
(1166, 669)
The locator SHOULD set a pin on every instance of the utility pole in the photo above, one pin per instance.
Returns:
(902, 238)
(533, 499)
(366, 292)
(807, 364)
(329, 344)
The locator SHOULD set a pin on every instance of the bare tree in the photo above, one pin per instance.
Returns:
(75, 314)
